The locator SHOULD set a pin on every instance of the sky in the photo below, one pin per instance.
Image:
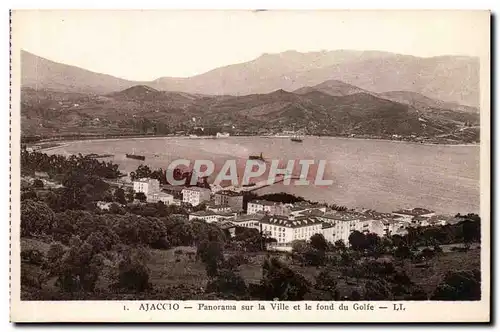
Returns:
(145, 45)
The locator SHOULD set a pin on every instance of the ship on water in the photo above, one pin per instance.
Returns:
(135, 156)
(222, 135)
(297, 139)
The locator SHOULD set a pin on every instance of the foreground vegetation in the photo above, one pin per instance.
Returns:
(72, 250)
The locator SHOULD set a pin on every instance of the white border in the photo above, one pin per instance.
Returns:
(214, 4)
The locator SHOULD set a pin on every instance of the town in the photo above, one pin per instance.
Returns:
(287, 222)
(91, 230)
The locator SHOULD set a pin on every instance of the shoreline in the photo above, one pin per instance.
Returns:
(148, 137)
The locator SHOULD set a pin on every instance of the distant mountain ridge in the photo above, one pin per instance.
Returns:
(144, 110)
(453, 79)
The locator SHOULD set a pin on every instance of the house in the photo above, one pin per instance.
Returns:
(195, 195)
(210, 216)
(303, 207)
(218, 208)
(146, 186)
(248, 220)
(408, 215)
(226, 226)
(230, 198)
(155, 197)
(344, 223)
(268, 207)
(287, 229)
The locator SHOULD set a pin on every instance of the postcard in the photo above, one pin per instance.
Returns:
(250, 166)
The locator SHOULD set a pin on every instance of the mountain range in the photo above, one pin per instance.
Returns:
(61, 100)
(448, 79)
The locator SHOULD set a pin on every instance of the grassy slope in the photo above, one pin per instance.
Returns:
(170, 269)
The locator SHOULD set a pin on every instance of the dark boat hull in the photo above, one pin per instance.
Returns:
(133, 156)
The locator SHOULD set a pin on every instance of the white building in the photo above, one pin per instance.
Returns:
(155, 197)
(210, 216)
(146, 186)
(268, 207)
(195, 195)
(285, 230)
(344, 223)
(301, 208)
(248, 220)
(408, 215)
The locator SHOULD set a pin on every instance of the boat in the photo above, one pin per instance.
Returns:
(222, 135)
(296, 138)
(255, 157)
(251, 184)
(193, 136)
(135, 156)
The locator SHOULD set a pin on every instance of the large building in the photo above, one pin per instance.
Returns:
(249, 220)
(408, 215)
(155, 197)
(195, 195)
(146, 186)
(210, 216)
(286, 230)
(344, 223)
(268, 207)
(230, 198)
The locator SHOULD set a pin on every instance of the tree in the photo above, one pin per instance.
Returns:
(377, 290)
(471, 231)
(140, 196)
(357, 240)
(78, 268)
(37, 183)
(459, 286)
(211, 253)
(36, 218)
(340, 245)
(133, 272)
(326, 281)
(130, 195)
(281, 282)
(318, 242)
(227, 282)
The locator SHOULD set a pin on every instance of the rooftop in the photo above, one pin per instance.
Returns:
(313, 212)
(145, 180)
(229, 193)
(248, 217)
(197, 189)
(206, 213)
(292, 223)
(264, 202)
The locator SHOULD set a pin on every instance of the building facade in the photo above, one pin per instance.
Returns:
(155, 197)
(286, 230)
(268, 207)
(230, 198)
(195, 195)
(210, 216)
(146, 186)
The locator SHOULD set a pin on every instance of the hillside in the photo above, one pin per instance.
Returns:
(448, 78)
(144, 110)
(332, 88)
(422, 102)
(40, 73)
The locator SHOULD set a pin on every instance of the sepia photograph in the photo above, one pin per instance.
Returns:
(339, 158)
